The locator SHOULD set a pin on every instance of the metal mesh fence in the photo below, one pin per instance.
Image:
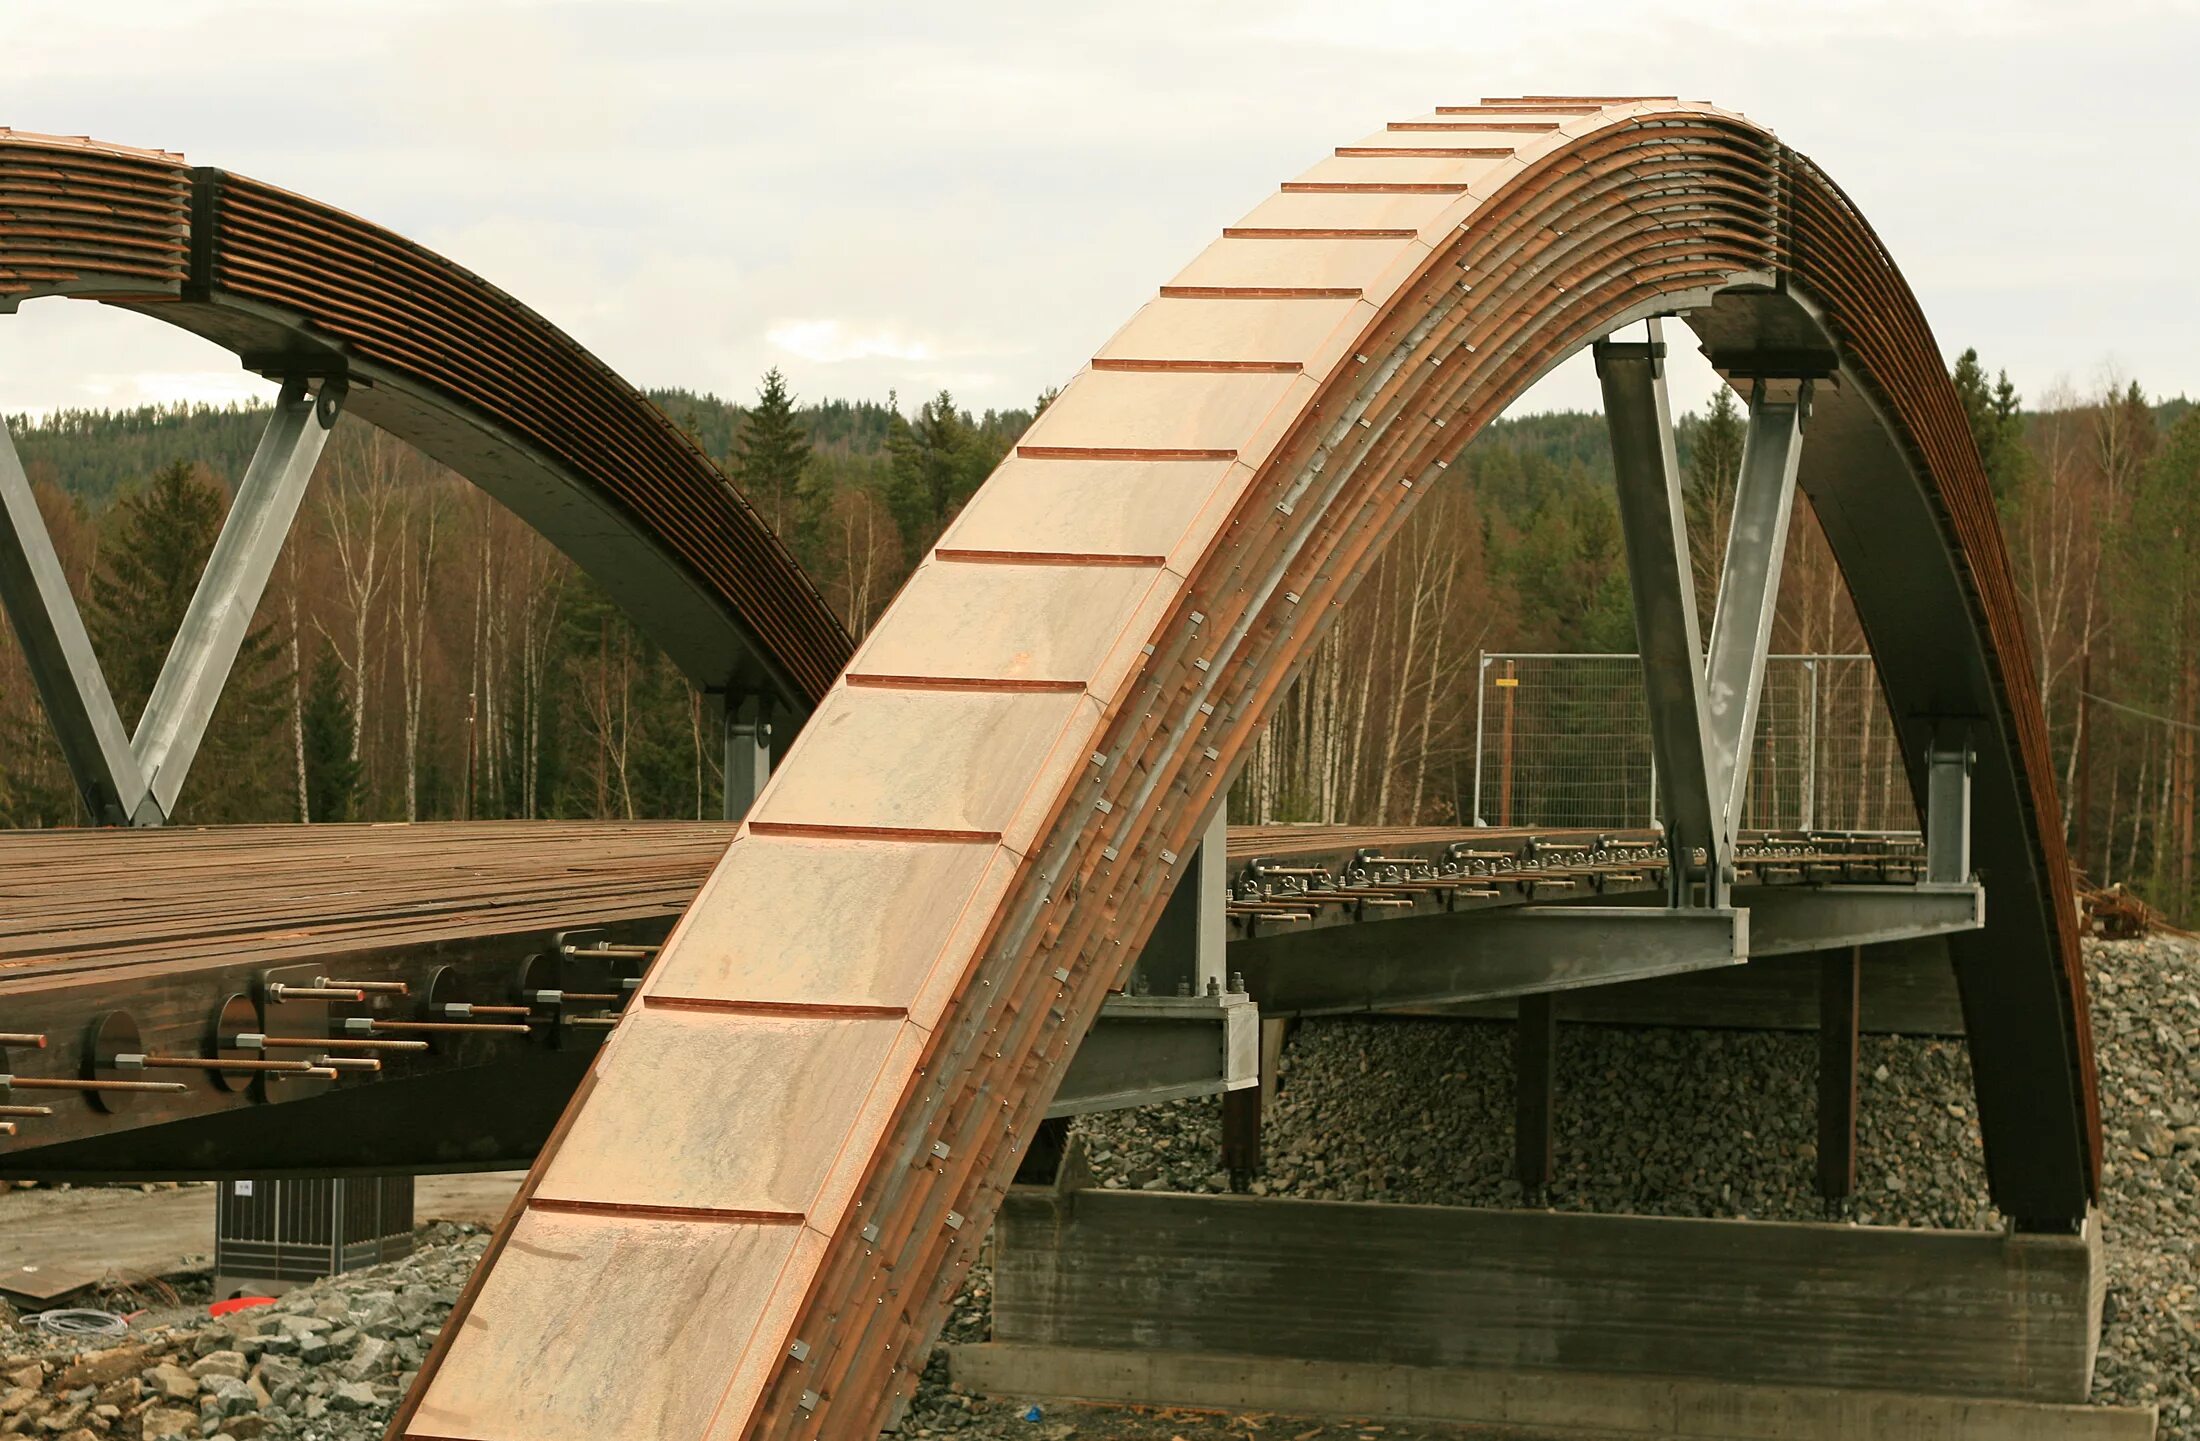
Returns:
(1564, 740)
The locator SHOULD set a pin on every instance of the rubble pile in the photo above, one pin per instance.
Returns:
(326, 1362)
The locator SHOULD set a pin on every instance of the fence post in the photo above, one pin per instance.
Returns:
(1481, 701)
(1510, 680)
(1810, 751)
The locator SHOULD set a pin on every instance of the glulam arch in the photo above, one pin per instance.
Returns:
(754, 1214)
(447, 362)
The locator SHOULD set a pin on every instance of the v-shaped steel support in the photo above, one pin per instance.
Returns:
(135, 780)
(1703, 716)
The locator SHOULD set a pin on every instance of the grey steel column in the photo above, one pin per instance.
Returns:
(59, 653)
(1948, 811)
(228, 594)
(1749, 589)
(748, 751)
(1655, 530)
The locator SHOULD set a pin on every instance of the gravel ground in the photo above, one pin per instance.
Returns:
(1652, 1121)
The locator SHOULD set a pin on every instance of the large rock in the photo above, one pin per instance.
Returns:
(354, 1396)
(231, 1364)
(371, 1356)
(97, 1368)
(169, 1423)
(172, 1382)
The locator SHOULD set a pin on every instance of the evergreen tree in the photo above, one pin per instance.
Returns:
(937, 464)
(332, 775)
(152, 552)
(1707, 494)
(1995, 415)
(771, 453)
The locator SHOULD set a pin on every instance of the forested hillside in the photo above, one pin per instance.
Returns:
(421, 655)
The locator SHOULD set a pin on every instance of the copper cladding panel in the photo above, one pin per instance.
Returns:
(957, 620)
(592, 1327)
(834, 923)
(713, 1111)
(956, 763)
(1124, 508)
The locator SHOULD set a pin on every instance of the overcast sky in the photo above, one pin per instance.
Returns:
(974, 195)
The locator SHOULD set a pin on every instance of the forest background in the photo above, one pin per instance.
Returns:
(420, 654)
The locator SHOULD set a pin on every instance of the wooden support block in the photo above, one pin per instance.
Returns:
(1840, 1007)
(1242, 1110)
(1974, 1314)
(1535, 1086)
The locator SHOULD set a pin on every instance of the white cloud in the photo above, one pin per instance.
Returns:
(829, 342)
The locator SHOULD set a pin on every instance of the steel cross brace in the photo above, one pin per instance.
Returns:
(1703, 715)
(130, 779)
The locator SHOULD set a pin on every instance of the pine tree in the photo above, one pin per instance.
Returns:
(771, 453)
(936, 467)
(332, 775)
(1995, 415)
(152, 552)
(1714, 469)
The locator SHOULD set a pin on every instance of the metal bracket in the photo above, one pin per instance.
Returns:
(128, 779)
(1148, 1049)
(748, 751)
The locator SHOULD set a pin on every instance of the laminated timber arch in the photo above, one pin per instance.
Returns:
(455, 367)
(751, 1219)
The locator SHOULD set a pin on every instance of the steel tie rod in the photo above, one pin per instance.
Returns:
(49, 1083)
(137, 1061)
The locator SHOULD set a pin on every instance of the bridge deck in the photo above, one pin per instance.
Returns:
(176, 898)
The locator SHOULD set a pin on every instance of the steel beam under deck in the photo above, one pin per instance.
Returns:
(1433, 960)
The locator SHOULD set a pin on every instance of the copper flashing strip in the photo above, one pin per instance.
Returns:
(1047, 557)
(1285, 232)
(1525, 127)
(1103, 452)
(1487, 108)
(1193, 367)
(567, 1206)
(1424, 152)
(868, 681)
(1374, 187)
(791, 1009)
(822, 832)
(1261, 292)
